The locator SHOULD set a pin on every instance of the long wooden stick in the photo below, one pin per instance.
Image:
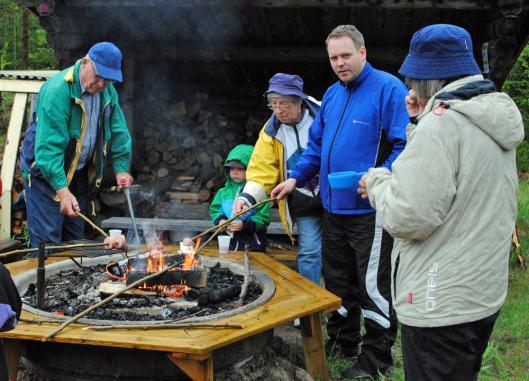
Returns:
(225, 223)
(164, 326)
(33, 249)
(113, 296)
(89, 221)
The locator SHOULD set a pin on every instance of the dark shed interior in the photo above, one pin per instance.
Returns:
(195, 70)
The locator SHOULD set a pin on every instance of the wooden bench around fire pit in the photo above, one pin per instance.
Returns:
(192, 349)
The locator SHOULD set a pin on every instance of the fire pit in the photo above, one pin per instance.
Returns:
(158, 292)
(127, 352)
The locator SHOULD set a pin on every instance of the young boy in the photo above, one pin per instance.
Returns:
(250, 228)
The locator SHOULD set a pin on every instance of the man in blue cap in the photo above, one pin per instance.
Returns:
(450, 203)
(281, 142)
(78, 123)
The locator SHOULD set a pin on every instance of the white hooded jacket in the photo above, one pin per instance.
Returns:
(451, 203)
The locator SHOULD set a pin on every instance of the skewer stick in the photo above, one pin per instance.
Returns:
(89, 221)
(164, 326)
(33, 249)
(222, 225)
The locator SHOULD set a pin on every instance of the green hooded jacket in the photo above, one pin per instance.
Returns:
(61, 126)
(220, 208)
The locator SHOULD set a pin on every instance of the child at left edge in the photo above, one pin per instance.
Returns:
(251, 227)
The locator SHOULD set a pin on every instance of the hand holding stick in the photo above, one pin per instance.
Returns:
(225, 223)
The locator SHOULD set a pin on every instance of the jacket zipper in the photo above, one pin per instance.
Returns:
(332, 143)
(301, 153)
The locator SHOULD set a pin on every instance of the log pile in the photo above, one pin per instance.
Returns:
(185, 141)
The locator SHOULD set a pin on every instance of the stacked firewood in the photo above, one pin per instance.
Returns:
(189, 143)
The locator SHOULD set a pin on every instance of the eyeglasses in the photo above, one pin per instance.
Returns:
(281, 105)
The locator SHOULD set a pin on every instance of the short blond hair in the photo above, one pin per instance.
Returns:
(349, 31)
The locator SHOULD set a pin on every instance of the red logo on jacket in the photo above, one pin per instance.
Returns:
(410, 298)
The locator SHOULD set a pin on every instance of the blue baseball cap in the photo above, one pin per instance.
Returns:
(440, 51)
(286, 84)
(107, 58)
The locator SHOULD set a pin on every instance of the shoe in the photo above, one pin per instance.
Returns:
(357, 373)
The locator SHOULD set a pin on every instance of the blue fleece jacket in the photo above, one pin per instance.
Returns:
(361, 124)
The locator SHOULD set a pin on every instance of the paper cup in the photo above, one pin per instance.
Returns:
(224, 243)
(114, 233)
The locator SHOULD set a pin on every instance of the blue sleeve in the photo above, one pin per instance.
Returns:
(394, 118)
(308, 164)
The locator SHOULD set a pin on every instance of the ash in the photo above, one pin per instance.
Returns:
(72, 291)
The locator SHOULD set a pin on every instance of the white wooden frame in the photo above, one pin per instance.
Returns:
(22, 89)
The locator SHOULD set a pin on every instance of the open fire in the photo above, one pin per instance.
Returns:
(187, 272)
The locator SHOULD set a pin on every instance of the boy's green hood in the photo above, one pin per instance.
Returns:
(241, 153)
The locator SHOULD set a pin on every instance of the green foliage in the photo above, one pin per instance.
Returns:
(517, 86)
(40, 55)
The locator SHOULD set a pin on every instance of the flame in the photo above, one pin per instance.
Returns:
(156, 262)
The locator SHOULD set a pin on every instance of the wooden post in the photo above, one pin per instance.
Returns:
(12, 351)
(10, 160)
(312, 335)
(197, 369)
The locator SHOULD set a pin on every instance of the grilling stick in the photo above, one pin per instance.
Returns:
(20, 251)
(226, 223)
(89, 221)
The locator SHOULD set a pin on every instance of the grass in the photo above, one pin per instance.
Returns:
(507, 355)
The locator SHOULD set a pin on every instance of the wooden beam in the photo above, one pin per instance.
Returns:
(457, 4)
(195, 369)
(20, 85)
(10, 159)
(312, 337)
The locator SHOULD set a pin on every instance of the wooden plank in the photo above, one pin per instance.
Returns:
(20, 85)
(174, 196)
(10, 160)
(9, 244)
(177, 225)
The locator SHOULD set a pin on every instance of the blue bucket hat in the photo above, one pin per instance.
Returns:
(286, 84)
(107, 58)
(440, 51)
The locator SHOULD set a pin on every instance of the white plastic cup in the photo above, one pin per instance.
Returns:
(224, 243)
(114, 233)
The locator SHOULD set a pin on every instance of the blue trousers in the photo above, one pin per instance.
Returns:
(45, 220)
(309, 253)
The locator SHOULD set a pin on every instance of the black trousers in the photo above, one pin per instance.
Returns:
(451, 353)
(357, 268)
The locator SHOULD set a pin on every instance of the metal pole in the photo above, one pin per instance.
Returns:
(41, 276)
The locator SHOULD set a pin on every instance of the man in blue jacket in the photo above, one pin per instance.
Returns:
(361, 124)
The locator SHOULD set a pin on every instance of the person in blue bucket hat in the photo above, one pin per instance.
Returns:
(450, 203)
(77, 125)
